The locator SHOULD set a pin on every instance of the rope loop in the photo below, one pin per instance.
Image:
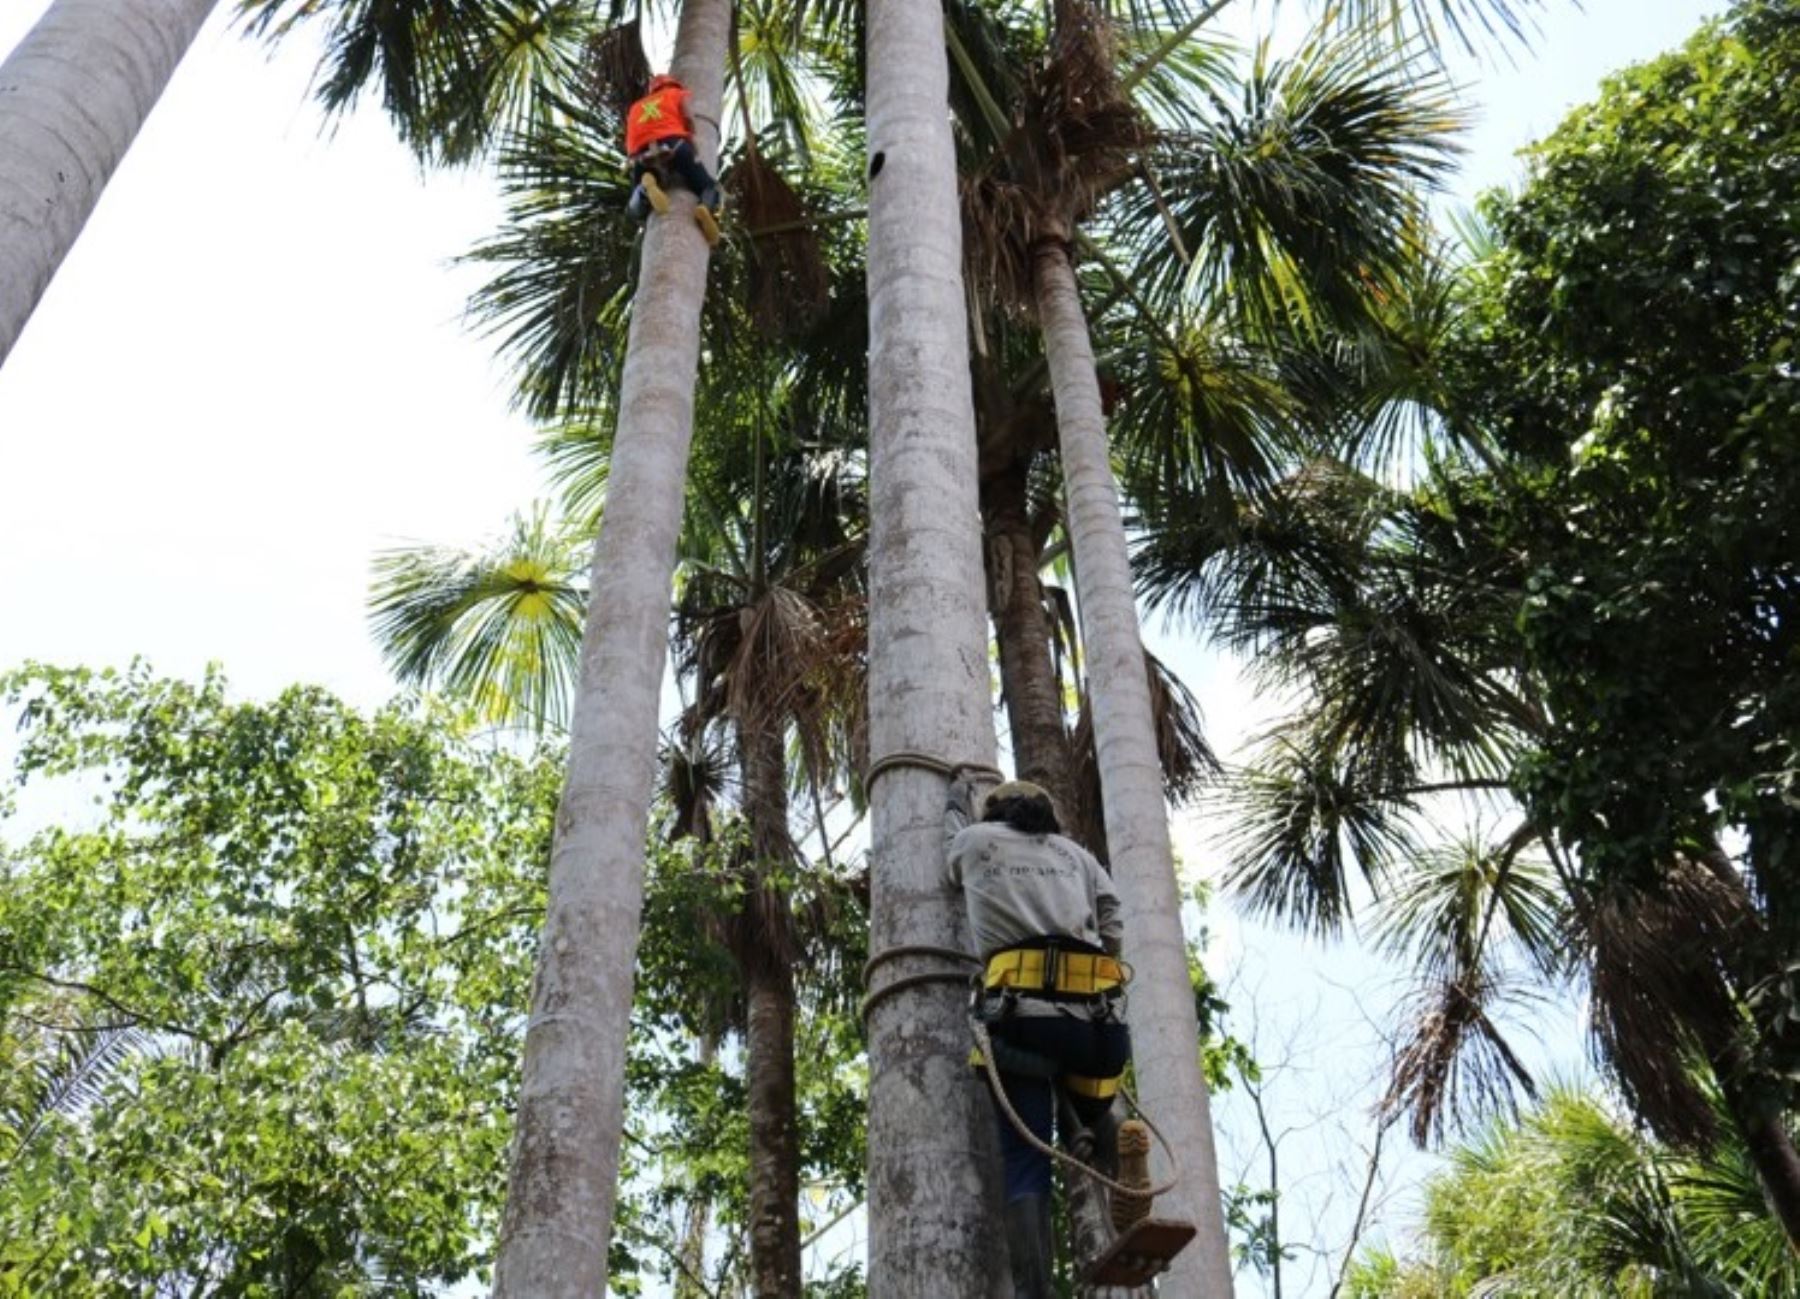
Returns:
(877, 995)
(926, 762)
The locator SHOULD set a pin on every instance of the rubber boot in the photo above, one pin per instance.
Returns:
(1134, 1171)
(707, 214)
(653, 191)
(1028, 1246)
(638, 207)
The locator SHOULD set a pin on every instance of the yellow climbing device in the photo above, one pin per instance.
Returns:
(653, 191)
(709, 225)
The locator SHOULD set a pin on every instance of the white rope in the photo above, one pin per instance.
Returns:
(1118, 1188)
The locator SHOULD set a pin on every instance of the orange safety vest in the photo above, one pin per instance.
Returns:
(659, 116)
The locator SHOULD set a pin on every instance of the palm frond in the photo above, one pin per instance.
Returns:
(1454, 905)
(1301, 820)
(1471, 24)
(66, 1074)
(1304, 195)
(452, 74)
(499, 628)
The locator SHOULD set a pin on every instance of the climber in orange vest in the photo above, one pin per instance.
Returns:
(659, 137)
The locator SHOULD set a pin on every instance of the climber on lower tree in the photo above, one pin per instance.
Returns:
(659, 138)
(1045, 920)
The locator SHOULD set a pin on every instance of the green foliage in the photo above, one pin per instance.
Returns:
(1630, 346)
(1631, 343)
(315, 928)
(1569, 1202)
(262, 979)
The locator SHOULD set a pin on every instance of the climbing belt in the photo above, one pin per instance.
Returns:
(986, 1046)
(924, 761)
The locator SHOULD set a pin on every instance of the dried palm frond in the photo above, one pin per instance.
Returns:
(1090, 129)
(1456, 1064)
(788, 284)
(1002, 221)
(616, 70)
(1187, 761)
(1073, 139)
(1659, 995)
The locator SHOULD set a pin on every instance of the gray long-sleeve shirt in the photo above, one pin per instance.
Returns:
(1018, 886)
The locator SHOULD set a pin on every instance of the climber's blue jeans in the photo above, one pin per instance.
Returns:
(1088, 1048)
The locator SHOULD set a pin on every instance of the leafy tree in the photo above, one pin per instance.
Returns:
(1630, 348)
(259, 1023)
(258, 1012)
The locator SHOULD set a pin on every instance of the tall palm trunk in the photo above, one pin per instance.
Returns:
(933, 1170)
(1034, 705)
(765, 961)
(565, 1160)
(1165, 1032)
(690, 1282)
(72, 97)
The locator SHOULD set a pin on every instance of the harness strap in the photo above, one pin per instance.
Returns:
(1055, 972)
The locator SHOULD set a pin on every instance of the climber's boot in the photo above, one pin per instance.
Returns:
(706, 215)
(1134, 1171)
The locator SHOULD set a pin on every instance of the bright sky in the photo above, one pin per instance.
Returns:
(252, 373)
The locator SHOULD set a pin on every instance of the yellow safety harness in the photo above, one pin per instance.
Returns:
(1056, 973)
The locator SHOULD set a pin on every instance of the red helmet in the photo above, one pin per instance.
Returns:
(660, 80)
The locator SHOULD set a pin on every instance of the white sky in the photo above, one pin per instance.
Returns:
(252, 372)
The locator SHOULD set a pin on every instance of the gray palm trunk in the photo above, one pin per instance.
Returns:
(72, 98)
(565, 1159)
(933, 1169)
(1164, 1029)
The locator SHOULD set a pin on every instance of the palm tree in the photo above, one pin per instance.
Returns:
(1336, 143)
(565, 1163)
(770, 643)
(932, 1191)
(77, 89)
